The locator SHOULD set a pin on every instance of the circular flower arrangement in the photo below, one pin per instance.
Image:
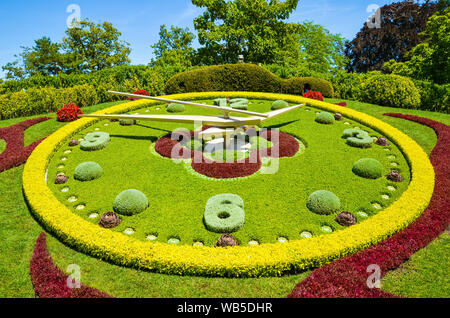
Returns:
(253, 255)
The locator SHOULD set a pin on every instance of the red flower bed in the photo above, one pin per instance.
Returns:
(68, 113)
(314, 95)
(50, 282)
(343, 104)
(287, 145)
(15, 153)
(139, 92)
(347, 277)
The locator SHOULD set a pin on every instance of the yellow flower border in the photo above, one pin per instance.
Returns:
(256, 261)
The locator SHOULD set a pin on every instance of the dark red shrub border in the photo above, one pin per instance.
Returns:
(15, 153)
(49, 281)
(346, 278)
(287, 145)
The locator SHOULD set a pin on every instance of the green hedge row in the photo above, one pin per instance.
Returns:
(352, 86)
(35, 101)
(243, 77)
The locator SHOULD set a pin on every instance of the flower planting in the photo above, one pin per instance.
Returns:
(259, 252)
(347, 277)
(68, 113)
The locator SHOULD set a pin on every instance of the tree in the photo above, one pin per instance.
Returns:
(429, 60)
(44, 58)
(14, 71)
(174, 47)
(256, 29)
(323, 50)
(401, 24)
(93, 47)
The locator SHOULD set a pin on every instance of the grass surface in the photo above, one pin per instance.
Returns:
(19, 232)
(425, 275)
(275, 204)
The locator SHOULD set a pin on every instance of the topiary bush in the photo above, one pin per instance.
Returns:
(130, 202)
(390, 90)
(95, 141)
(239, 103)
(368, 168)
(224, 213)
(243, 77)
(325, 118)
(299, 86)
(88, 171)
(323, 202)
(279, 104)
(358, 138)
(176, 108)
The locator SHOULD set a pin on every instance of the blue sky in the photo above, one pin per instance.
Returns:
(24, 21)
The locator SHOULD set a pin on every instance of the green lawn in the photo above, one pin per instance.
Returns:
(426, 274)
(19, 232)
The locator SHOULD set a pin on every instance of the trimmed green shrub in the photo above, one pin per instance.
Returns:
(130, 202)
(221, 102)
(323, 202)
(127, 122)
(224, 213)
(230, 77)
(239, 103)
(44, 100)
(434, 97)
(279, 104)
(325, 118)
(299, 85)
(88, 171)
(390, 90)
(176, 108)
(358, 138)
(95, 141)
(243, 77)
(368, 168)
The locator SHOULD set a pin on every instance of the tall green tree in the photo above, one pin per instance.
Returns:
(174, 47)
(93, 47)
(429, 60)
(256, 29)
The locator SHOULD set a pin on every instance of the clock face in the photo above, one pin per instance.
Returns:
(291, 178)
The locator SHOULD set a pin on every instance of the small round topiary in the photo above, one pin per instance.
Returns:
(227, 240)
(109, 220)
(127, 122)
(368, 168)
(325, 118)
(175, 108)
(61, 179)
(395, 176)
(88, 171)
(338, 116)
(95, 141)
(130, 202)
(279, 104)
(382, 141)
(73, 143)
(323, 202)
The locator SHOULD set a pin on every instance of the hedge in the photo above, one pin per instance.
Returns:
(36, 101)
(256, 261)
(243, 77)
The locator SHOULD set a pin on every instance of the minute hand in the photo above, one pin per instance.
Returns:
(226, 110)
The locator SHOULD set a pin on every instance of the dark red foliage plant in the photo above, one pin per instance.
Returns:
(139, 92)
(51, 282)
(16, 153)
(347, 277)
(314, 95)
(68, 113)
